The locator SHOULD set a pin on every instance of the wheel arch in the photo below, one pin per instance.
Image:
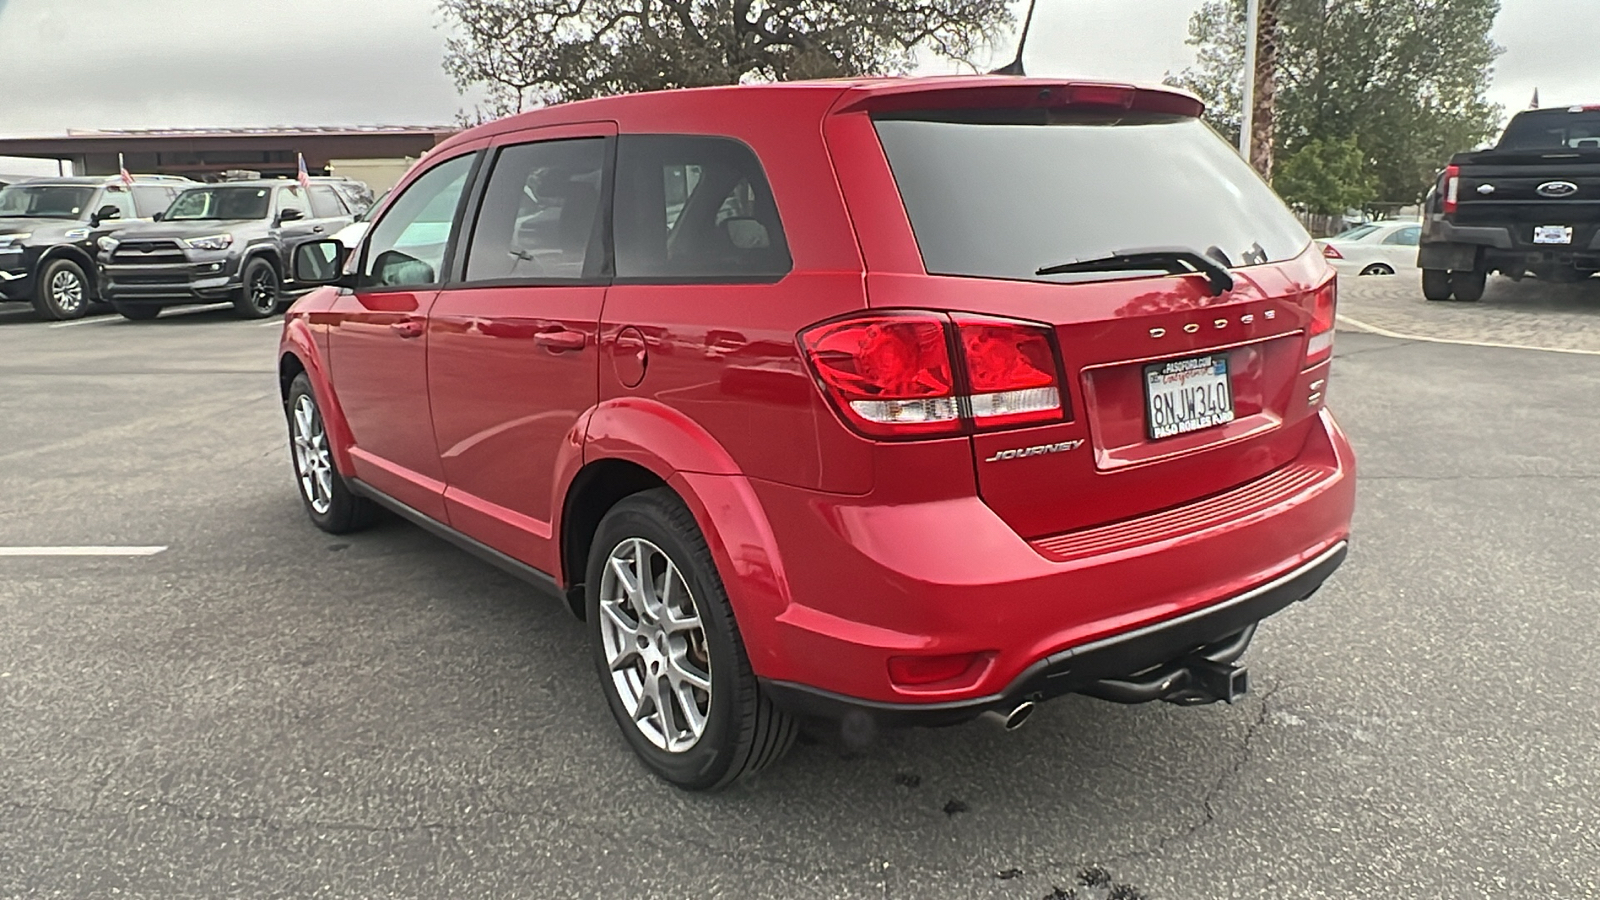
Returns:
(76, 255)
(297, 355)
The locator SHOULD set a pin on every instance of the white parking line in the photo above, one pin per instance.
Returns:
(270, 323)
(170, 312)
(81, 551)
(87, 320)
(1384, 332)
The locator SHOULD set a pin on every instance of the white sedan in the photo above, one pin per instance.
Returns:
(1376, 248)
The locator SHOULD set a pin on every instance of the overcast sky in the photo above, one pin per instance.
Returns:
(189, 63)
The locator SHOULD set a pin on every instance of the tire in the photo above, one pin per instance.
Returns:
(328, 500)
(1436, 284)
(259, 294)
(62, 291)
(1378, 269)
(1468, 285)
(138, 312)
(740, 731)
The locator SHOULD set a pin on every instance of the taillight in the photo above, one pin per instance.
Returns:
(891, 374)
(1452, 187)
(1331, 252)
(1324, 306)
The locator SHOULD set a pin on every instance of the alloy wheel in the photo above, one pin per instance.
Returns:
(311, 458)
(66, 291)
(655, 645)
(264, 290)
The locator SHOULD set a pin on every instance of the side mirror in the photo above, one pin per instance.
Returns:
(319, 262)
(157, 217)
(105, 212)
(289, 215)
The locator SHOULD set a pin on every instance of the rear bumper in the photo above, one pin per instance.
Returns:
(1051, 616)
(1225, 626)
(1502, 247)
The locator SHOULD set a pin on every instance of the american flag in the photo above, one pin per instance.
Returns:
(303, 176)
(122, 169)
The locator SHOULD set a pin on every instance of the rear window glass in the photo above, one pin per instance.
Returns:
(1003, 200)
(1553, 129)
(1356, 233)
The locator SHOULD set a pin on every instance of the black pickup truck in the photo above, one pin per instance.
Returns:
(1528, 205)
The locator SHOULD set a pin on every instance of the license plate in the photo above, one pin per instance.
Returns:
(1552, 234)
(1187, 395)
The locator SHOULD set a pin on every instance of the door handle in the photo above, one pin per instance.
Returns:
(559, 341)
(408, 329)
(317, 229)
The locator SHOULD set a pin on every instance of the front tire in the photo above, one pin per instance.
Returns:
(259, 291)
(1436, 284)
(1468, 285)
(62, 291)
(328, 500)
(667, 649)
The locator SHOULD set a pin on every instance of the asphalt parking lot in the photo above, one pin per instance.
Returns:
(263, 710)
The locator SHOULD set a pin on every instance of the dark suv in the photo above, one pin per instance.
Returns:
(218, 242)
(47, 229)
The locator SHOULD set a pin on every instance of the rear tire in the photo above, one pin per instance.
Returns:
(1436, 284)
(1468, 285)
(138, 312)
(330, 503)
(660, 626)
(1378, 269)
(61, 291)
(259, 290)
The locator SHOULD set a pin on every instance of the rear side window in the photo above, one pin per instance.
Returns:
(1406, 237)
(540, 215)
(994, 199)
(695, 209)
(325, 203)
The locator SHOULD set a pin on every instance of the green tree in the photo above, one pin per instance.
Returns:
(1326, 177)
(521, 53)
(1406, 79)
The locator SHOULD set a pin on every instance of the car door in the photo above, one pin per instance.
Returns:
(377, 341)
(1399, 248)
(512, 352)
(291, 230)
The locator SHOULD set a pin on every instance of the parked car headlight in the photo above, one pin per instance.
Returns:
(108, 243)
(12, 241)
(213, 242)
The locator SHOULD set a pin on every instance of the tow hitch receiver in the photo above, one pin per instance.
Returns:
(1205, 676)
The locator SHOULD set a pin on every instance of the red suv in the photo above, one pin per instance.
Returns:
(885, 402)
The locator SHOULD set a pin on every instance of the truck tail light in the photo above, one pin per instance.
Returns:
(894, 375)
(1331, 252)
(1452, 188)
(1325, 301)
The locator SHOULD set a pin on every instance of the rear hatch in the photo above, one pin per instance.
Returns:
(1173, 388)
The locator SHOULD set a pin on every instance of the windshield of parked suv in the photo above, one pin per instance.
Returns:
(46, 201)
(1552, 129)
(220, 203)
(1002, 200)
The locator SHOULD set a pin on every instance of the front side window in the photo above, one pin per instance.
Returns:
(220, 203)
(294, 198)
(150, 199)
(1003, 195)
(407, 246)
(119, 198)
(46, 201)
(692, 208)
(540, 214)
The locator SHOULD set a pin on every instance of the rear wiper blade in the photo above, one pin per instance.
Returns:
(1174, 260)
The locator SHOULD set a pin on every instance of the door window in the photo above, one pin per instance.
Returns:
(150, 199)
(1407, 236)
(692, 208)
(325, 202)
(407, 246)
(119, 198)
(293, 198)
(539, 218)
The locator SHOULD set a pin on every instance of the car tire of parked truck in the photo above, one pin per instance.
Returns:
(1436, 284)
(333, 507)
(258, 295)
(138, 312)
(668, 652)
(1468, 285)
(61, 291)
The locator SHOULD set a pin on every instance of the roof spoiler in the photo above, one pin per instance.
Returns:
(1010, 92)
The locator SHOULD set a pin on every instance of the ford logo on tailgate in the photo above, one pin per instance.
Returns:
(1557, 189)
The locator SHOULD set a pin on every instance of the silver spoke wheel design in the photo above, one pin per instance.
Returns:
(655, 645)
(66, 291)
(311, 459)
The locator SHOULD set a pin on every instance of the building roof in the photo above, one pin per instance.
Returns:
(273, 131)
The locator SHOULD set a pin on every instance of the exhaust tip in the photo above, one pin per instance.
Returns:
(1011, 721)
